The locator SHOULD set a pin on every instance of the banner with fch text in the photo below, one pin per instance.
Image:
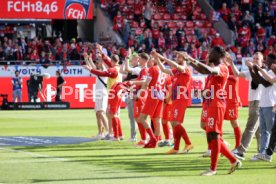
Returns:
(45, 9)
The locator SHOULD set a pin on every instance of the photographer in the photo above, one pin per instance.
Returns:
(17, 87)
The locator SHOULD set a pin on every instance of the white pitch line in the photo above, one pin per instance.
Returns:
(35, 154)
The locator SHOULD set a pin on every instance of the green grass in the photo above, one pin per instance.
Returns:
(112, 162)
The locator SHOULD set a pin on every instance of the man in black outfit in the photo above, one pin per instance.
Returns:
(60, 82)
(34, 84)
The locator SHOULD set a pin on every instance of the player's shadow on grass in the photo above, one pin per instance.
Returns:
(83, 179)
(81, 147)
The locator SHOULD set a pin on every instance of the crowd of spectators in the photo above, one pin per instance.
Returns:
(253, 24)
(50, 51)
(39, 50)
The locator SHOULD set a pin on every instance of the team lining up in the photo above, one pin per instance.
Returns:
(163, 102)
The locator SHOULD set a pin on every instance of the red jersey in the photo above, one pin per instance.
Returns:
(207, 79)
(155, 34)
(165, 80)
(225, 13)
(246, 32)
(120, 88)
(180, 83)
(111, 72)
(217, 42)
(167, 86)
(237, 13)
(232, 88)
(138, 8)
(142, 76)
(154, 74)
(216, 84)
(261, 33)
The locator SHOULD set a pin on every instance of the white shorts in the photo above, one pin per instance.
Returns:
(101, 103)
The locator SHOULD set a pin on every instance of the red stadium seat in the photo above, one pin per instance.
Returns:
(167, 16)
(184, 17)
(172, 25)
(157, 16)
(130, 2)
(178, 23)
(199, 24)
(161, 10)
(176, 17)
(208, 24)
(161, 23)
(189, 24)
(179, 9)
(190, 32)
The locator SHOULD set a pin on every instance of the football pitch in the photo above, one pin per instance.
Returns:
(113, 162)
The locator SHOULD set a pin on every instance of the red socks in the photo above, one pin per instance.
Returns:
(115, 127)
(226, 152)
(120, 131)
(215, 147)
(142, 131)
(179, 131)
(176, 137)
(183, 134)
(151, 134)
(238, 136)
(166, 130)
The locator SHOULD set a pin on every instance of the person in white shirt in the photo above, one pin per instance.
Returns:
(254, 95)
(271, 77)
(100, 98)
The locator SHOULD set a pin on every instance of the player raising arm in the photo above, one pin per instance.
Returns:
(218, 73)
(181, 81)
(153, 105)
(112, 73)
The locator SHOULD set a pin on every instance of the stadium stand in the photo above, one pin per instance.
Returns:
(166, 25)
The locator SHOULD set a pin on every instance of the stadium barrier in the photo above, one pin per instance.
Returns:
(79, 81)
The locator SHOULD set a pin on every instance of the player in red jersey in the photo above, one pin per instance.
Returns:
(153, 105)
(164, 83)
(218, 73)
(167, 110)
(181, 81)
(117, 91)
(112, 73)
(138, 96)
(203, 119)
(232, 101)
